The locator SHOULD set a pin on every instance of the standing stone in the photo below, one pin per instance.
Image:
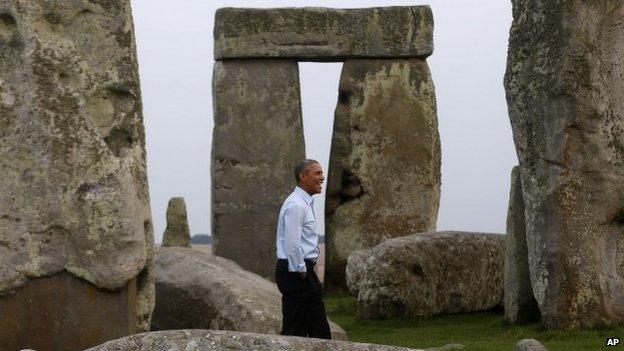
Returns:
(74, 203)
(565, 90)
(520, 304)
(177, 231)
(257, 140)
(384, 168)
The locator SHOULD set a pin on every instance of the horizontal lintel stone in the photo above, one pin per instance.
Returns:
(323, 34)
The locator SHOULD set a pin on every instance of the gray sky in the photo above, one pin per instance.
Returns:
(174, 43)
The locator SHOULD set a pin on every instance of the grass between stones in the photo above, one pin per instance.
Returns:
(482, 331)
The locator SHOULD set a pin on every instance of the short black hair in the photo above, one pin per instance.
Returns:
(303, 166)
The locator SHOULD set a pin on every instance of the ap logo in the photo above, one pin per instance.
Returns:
(612, 341)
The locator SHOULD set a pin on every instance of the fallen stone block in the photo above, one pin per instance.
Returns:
(430, 273)
(196, 290)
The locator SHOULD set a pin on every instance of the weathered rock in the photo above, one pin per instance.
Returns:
(79, 309)
(73, 190)
(177, 232)
(323, 34)
(257, 140)
(530, 345)
(431, 273)
(384, 168)
(195, 290)
(355, 264)
(520, 304)
(565, 91)
(213, 340)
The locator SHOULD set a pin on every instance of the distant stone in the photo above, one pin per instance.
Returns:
(384, 166)
(257, 140)
(530, 345)
(430, 273)
(213, 340)
(195, 290)
(565, 88)
(520, 304)
(201, 239)
(323, 34)
(73, 182)
(177, 232)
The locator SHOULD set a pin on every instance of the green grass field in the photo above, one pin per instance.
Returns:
(483, 331)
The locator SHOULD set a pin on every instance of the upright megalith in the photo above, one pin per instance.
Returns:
(74, 206)
(257, 139)
(177, 232)
(565, 91)
(520, 304)
(384, 169)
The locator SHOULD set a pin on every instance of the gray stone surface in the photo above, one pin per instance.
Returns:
(520, 304)
(65, 313)
(73, 184)
(355, 267)
(564, 92)
(323, 34)
(177, 232)
(530, 345)
(213, 340)
(384, 168)
(257, 140)
(431, 273)
(196, 290)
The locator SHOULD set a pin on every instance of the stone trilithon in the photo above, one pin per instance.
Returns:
(384, 173)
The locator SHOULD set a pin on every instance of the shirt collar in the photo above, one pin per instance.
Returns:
(304, 195)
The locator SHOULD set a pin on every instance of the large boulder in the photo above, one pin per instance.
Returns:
(74, 203)
(520, 304)
(384, 167)
(197, 290)
(322, 33)
(429, 273)
(213, 340)
(565, 89)
(177, 232)
(257, 140)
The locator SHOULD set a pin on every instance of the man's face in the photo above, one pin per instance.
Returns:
(312, 180)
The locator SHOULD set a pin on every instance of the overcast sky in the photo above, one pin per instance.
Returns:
(175, 51)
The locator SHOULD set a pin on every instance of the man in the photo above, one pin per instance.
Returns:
(303, 310)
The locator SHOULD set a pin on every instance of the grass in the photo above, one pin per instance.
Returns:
(482, 331)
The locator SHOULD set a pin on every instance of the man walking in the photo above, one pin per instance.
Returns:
(303, 310)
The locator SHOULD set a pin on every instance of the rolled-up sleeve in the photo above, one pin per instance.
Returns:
(294, 218)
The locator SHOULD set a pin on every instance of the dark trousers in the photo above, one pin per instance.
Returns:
(303, 310)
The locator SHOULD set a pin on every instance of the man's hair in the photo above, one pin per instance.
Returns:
(303, 166)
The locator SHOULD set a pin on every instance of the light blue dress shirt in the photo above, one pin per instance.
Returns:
(297, 236)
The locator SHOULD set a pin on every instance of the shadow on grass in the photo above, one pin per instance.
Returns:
(482, 331)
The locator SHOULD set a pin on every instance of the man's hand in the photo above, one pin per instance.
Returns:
(302, 275)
